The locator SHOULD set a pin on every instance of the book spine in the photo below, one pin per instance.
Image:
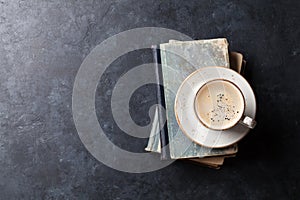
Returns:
(161, 100)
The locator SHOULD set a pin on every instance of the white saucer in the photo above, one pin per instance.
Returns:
(187, 118)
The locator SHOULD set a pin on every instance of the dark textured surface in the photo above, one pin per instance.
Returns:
(42, 46)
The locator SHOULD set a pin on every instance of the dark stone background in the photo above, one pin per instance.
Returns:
(43, 43)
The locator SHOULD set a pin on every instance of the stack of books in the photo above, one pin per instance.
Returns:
(174, 62)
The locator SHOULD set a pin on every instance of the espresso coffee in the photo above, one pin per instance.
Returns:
(219, 104)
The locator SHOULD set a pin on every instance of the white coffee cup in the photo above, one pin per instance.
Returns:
(220, 105)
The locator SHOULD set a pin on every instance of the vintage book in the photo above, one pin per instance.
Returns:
(179, 59)
(154, 145)
(213, 162)
(237, 62)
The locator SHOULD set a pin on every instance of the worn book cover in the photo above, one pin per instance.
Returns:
(179, 59)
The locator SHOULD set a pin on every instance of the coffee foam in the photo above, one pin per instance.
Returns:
(219, 104)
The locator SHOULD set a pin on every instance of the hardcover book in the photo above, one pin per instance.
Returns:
(174, 61)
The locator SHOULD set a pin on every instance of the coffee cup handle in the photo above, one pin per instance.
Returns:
(248, 121)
